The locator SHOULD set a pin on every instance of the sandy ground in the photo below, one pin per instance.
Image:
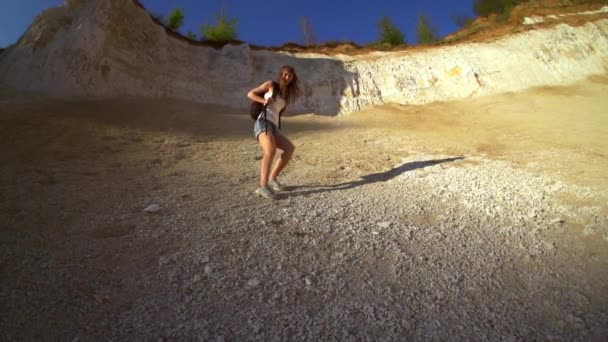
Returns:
(478, 219)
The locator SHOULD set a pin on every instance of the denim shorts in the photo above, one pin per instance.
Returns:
(262, 125)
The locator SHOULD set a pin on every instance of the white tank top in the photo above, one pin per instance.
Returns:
(274, 108)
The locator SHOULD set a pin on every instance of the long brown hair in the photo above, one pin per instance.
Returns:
(291, 91)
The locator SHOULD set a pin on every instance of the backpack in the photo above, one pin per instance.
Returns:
(256, 108)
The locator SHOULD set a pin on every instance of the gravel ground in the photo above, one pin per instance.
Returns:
(380, 236)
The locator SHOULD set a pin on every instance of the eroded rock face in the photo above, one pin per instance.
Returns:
(560, 55)
(113, 48)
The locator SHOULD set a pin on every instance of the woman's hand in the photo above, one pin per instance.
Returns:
(261, 89)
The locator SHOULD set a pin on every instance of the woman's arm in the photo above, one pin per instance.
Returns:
(261, 89)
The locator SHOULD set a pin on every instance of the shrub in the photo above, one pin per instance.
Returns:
(389, 34)
(500, 7)
(224, 29)
(427, 34)
(175, 19)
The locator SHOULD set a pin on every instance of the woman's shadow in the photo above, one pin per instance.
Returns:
(371, 178)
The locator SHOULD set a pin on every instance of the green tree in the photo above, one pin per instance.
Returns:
(427, 34)
(175, 19)
(224, 29)
(501, 7)
(389, 34)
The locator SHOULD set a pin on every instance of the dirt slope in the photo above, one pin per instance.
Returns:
(482, 219)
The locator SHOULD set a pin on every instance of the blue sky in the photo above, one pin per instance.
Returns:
(274, 22)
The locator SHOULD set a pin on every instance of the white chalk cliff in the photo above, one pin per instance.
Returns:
(112, 48)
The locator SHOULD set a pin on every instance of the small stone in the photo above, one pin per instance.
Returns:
(154, 208)
(207, 269)
(253, 282)
(196, 278)
(205, 259)
(307, 281)
(384, 224)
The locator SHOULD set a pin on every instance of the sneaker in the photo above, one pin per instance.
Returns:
(265, 192)
(276, 186)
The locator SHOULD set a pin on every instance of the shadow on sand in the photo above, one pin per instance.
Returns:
(369, 179)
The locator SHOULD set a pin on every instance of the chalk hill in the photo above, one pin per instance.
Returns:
(113, 48)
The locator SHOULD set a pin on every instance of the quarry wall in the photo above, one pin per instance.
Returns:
(113, 48)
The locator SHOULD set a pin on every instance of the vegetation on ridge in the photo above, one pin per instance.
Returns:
(389, 35)
(501, 7)
(224, 29)
(175, 19)
(493, 18)
(427, 34)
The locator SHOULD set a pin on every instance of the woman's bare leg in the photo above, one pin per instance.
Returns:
(288, 148)
(269, 149)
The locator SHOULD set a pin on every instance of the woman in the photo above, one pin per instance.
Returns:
(275, 96)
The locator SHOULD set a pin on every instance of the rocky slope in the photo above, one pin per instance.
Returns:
(483, 219)
(113, 48)
(398, 224)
